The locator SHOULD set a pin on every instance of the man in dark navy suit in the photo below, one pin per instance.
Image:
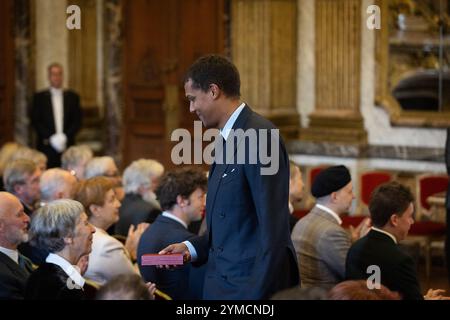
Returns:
(182, 197)
(377, 256)
(247, 246)
(56, 117)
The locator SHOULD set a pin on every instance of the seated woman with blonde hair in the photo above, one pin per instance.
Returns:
(109, 257)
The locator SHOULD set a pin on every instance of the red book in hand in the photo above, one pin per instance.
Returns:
(171, 259)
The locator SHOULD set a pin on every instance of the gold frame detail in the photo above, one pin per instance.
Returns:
(383, 96)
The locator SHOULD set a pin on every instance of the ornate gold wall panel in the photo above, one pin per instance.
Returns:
(384, 60)
(83, 54)
(337, 115)
(264, 48)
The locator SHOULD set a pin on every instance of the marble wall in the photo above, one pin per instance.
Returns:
(376, 119)
(113, 88)
(51, 38)
(23, 74)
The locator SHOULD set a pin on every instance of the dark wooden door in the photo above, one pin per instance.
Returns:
(6, 71)
(162, 39)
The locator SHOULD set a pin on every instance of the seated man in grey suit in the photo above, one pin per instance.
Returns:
(182, 197)
(391, 209)
(14, 268)
(320, 242)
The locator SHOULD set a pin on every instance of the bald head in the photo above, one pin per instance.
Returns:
(7, 201)
(56, 184)
(13, 221)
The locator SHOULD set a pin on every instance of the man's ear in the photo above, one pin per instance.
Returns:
(333, 196)
(215, 90)
(181, 202)
(393, 219)
(18, 188)
(68, 240)
(94, 209)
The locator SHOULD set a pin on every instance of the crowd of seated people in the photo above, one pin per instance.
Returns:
(84, 225)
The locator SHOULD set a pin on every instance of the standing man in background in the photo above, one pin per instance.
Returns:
(56, 117)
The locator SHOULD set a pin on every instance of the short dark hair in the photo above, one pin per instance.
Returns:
(179, 182)
(124, 287)
(218, 70)
(388, 199)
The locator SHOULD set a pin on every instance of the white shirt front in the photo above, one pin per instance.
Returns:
(68, 268)
(331, 212)
(58, 109)
(13, 254)
(225, 131)
(386, 233)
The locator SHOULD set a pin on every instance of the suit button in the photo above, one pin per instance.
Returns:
(223, 277)
(222, 215)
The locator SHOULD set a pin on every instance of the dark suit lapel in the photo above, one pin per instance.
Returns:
(49, 110)
(12, 266)
(65, 110)
(217, 170)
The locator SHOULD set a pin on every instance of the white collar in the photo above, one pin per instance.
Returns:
(56, 90)
(173, 217)
(68, 268)
(291, 208)
(225, 131)
(13, 254)
(386, 233)
(331, 212)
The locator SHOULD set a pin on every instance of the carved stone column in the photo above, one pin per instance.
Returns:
(264, 48)
(113, 88)
(337, 116)
(23, 69)
(83, 54)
